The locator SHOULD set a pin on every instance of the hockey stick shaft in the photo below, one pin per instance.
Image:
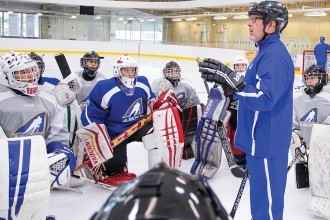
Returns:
(94, 182)
(239, 194)
(205, 83)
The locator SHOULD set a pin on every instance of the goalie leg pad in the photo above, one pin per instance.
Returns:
(208, 149)
(319, 170)
(96, 141)
(166, 142)
(24, 175)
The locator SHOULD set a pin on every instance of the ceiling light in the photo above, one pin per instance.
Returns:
(219, 17)
(191, 19)
(176, 19)
(73, 16)
(315, 14)
(97, 17)
(290, 15)
(240, 16)
(150, 19)
(10, 12)
(120, 19)
(39, 14)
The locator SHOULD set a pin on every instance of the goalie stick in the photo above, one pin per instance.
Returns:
(123, 136)
(106, 186)
(63, 65)
(245, 178)
(234, 168)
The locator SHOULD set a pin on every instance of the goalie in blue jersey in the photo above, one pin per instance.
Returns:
(118, 103)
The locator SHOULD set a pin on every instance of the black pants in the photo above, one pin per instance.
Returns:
(119, 160)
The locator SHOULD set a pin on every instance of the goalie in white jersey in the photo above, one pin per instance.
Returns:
(187, 100)
(312, 106)
(26, 110)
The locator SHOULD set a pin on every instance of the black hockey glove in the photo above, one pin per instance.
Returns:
(215, 71)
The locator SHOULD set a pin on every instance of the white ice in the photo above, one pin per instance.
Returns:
(68, 205)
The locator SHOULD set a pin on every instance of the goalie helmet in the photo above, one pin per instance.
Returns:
(40, 62)
(127, 83)
(172, 72)
(240, 64)
(163, 193)
(322, 80)
(90, 68)
(21, 73)
(271, 11)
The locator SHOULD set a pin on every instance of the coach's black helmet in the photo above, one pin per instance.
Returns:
(322, 76)
(271, 11)
(163, 193)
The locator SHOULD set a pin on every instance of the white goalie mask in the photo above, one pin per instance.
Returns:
(240, 64)
(127, 81)
(21, 72)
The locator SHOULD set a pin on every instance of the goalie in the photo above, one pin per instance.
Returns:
(311, 106)
(187, 100)
(28, 110)
(114, 106)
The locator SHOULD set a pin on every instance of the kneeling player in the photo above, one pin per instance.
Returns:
(120, 102)
(34, 112)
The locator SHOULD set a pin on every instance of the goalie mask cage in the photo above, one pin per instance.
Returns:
(309, 59)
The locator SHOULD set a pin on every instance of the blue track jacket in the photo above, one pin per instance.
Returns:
(266, 103)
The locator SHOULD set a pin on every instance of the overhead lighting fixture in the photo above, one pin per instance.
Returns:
(97, 17)
(290, 15)
(150, 19)
(120, 19)
(191, 19)
(219, 17)
(73, 16)
(315, 14)
(39, 14)
(240, 17)
(10, 12)
(176, 19)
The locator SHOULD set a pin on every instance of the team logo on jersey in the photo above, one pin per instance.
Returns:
(134, 111)
(35, 125)
(310, 116)
(181, 95)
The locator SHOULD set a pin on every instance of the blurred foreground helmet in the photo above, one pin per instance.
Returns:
(322, 76)
(322, 39)
(271, 11)
(172, 72)
(163, 193)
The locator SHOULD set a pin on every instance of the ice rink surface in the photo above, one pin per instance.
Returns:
(67, 205)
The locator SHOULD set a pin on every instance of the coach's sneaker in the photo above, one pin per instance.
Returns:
(115, 179)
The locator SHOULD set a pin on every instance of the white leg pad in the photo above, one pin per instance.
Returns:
(166, 142)
(24, 175)
(319, 171)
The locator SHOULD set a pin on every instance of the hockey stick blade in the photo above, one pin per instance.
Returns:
(63, 65)
(235, 170)
(106, 186)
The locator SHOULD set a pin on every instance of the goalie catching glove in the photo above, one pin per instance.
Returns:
(66, 91)
(215, 71)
